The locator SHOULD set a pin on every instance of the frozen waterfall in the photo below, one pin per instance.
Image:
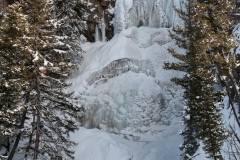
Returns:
(96, 34)
(122, 84)
(152, 13)
(102, 27)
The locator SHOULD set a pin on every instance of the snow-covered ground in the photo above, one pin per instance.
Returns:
(133, 111)
(95, 144)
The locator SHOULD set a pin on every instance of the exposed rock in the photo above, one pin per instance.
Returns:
(98, 10)
(105, 3)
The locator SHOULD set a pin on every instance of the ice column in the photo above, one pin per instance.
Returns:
(96, 33)
(162, 14)
(103, 27)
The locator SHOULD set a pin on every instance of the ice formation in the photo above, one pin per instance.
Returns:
(126, 92)
(152, 13)
(103, 27)
(122, 83)
(96, 34)
(100, 36)
(119, 67)
(131, 100)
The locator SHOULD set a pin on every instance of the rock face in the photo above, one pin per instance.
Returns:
(99, 18)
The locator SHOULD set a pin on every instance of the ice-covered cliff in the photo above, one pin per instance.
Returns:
(122, 82)
(125, 91)
(127, 94)
(152, 13)
(129, 97)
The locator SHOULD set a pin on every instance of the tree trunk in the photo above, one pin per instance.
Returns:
(10, 157)
(39, 110)
(31, 136)
(237, 96)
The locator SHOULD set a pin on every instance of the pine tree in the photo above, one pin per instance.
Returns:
(206, 45)
(185, 38)
(35, 66)
(14, 70)
(54, 113)
(211, 130)
(215, 14)
(72, 15)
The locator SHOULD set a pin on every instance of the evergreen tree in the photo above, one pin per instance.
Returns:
(54, 113)
(35, 66)
(185, 38)
(14, 71)
(207, 42)
(72, 15)
(215, 14)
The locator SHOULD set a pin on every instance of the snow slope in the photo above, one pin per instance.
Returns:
(132, 108)
(99, 145)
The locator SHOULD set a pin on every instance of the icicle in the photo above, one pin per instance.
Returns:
(153, 13)
(163, 18)
(96, 33)
(103, 27)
